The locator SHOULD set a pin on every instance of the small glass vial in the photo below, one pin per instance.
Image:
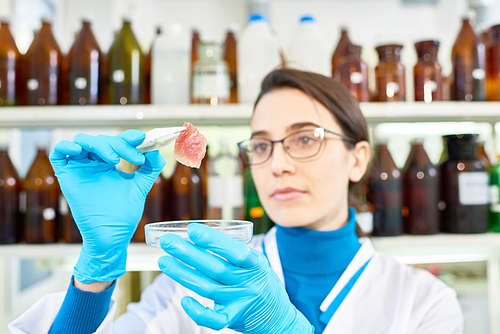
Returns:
(211, 81)
(463, 187)
(493, 65)
(427, 73)
(353, 73)
(390, 74)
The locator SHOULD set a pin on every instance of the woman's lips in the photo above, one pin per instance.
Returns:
(285, 194)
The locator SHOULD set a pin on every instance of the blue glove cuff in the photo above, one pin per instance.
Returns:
(102, 267)
(300, 325)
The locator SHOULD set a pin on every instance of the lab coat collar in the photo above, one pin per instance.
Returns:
(364, 254)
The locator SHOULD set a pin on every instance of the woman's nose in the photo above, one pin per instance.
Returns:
(281, 161)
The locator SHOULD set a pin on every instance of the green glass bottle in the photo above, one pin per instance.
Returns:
(254, 211)
(494, 208)
(125, 68)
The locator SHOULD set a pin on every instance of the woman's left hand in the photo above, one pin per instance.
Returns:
(248, 296)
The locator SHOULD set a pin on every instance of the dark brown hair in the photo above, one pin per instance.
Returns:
(327, 91)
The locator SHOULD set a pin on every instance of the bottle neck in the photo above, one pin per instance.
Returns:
(427, 54)
(388, 55)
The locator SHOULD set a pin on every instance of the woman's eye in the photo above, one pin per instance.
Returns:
(260, 147)
(304, 140)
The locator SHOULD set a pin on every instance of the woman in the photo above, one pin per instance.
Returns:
(309, 274)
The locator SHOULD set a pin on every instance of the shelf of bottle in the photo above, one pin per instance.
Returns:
(142, 116)
(408, 249)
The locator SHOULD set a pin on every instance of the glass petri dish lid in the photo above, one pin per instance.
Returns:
(237, 229)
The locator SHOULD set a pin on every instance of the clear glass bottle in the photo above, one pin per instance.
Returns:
(211, 82)
(341, 50)
(493, 65)
(231, 60)
(41, 73)
(10, 188)
(126, 68)
(390, 74)
(385, 193)
(225, 185)
(464, 187)
(83, 61)
(420, 192)
(468, 64)
(428, 82)
(353, 73)
(9, 66)
(42, 201)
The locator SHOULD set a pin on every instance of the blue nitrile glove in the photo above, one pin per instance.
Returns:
(106, 203)
(248, 296)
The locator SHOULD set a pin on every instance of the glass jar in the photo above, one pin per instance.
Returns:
(420, 192)
(464, 187)
(390, 74)
(385, 193)
(353, 73)
(211, 81)
(493, 65)
(427, 73)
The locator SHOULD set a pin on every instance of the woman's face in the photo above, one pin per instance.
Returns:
(308, 193)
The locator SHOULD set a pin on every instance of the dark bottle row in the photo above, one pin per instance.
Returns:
(453, 197)
(33, 210)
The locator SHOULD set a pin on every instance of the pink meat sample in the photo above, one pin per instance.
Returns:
(190, 147)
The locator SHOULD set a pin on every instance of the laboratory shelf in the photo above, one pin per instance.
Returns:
(229, 115)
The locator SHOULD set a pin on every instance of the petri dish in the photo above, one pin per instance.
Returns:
(237, 229)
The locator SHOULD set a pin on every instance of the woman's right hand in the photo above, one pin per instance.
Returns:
(106, 203)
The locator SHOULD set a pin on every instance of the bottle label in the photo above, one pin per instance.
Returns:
(81, 83)
(356, 77)
(494, 198)
(478, 73)
(473, 188)
(118, 76)
(225, 191)
(32, 84)
(208, 85)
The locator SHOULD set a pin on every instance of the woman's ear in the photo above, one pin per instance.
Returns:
(362, 153)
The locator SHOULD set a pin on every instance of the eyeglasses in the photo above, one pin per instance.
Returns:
(298, 145)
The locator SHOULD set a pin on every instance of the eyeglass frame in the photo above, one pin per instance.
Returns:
(322, 132)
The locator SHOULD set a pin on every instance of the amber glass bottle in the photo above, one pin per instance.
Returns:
(493, 65)
(10, 188)
(9, 66)
(84, 60)
(483, 156)
(186, 193)
(126, 68)
(42, 195)
(230, 58)
(353, 73)
(468, 64)
(41, 72)
(385, 193)
(341, 50)
(204, 179)
(420, 192)
(154, 208)
(428, 81)
(195, 41)
(147, 68)
(70, 232)
(464, 187)
(390, 74)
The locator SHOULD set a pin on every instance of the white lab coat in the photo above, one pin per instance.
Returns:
(387, 298)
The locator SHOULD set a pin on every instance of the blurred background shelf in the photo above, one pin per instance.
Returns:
(230, 115)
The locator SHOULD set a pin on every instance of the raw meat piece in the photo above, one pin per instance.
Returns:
(190, 147)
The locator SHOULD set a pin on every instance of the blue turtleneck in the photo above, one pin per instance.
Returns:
(313, 262)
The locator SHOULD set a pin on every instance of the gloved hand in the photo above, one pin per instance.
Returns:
(248, 296)
(106, 203)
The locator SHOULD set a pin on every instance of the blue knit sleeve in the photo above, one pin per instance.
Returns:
(82, 311)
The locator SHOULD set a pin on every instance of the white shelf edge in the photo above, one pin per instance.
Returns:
(229, 115)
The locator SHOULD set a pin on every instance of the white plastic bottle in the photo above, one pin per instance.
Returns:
(258, 54)
(170, 63)
(309, 49)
